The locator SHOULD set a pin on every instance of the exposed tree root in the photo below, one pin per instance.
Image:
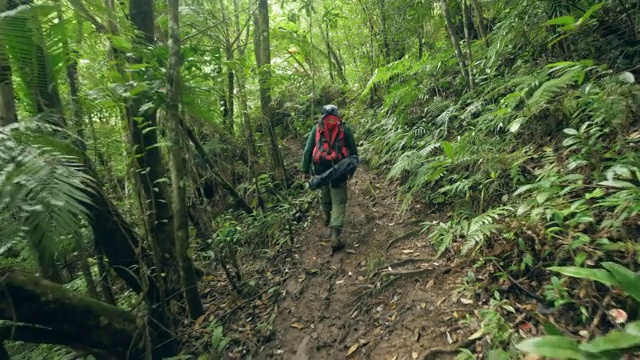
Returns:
(433, 353)
(404, 262)
(402, 237)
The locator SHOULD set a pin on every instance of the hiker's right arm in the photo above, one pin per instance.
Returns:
(308, 151)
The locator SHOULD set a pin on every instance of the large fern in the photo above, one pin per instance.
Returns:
(43, 189)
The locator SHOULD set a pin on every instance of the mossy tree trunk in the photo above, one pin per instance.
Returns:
(178, 179)
(52, 314)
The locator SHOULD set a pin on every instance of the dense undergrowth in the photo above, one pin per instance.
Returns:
(530, 168)
(537, 166)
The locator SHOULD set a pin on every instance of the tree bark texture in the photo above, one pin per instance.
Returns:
(263, 61)
(242, 88)
(178, 179)
(7, 97)
(147, 156)
(455, 41)
(477, 9)
(60, 316)
(466, 14)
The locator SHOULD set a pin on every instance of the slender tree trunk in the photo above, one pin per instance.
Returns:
(47, 266)
(386, 47)
(178, 180)
(477, 9)
(214, 170)
(7, 101)
(263, 61)
(105, 283)
(147, 156)
(230, 89)
(242, 88)
(88, 277)
(455, 42)
(467, 39)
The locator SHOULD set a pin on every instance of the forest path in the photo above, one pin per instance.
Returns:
(337, 306)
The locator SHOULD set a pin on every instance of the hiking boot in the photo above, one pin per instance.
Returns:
(336, 241)
(327, 218)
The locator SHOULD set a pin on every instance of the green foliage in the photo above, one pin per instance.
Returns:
(43, 189)
(612, 345)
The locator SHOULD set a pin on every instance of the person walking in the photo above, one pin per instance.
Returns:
(330, 141)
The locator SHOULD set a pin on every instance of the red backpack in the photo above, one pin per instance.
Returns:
(330, 144)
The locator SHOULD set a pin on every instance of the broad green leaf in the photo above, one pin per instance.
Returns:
(570, 131)
(448, 149)
(552, 346)
(590, 12)
(617, 184)
(551, 329)
(562, 20)
(600, 275)
(541, 197)
(633, 328)
(614, 340)
(628, 281)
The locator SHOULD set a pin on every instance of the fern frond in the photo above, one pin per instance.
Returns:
(42, 190)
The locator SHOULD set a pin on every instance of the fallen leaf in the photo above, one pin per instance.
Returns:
(477, 334)
(526, 326)
(339, 282)
(449, 338)
(414, 355)
(297, 326)
(430, 284)
(584, 333)
(395, 357)
(199, 321)
(466, 301)
(352, 349)
(423, 305)
(407, 251)
(350, 251)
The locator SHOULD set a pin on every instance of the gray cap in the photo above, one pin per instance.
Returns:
(330, 110)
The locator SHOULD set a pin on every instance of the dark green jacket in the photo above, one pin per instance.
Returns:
(349, 142)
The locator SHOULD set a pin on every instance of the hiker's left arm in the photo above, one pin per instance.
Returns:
(351, 142)
(308, 150)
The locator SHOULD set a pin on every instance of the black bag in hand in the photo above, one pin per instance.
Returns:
(346, 166)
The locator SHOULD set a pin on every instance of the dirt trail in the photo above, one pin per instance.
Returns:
(330, 304)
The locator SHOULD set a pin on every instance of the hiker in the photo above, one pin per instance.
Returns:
(330, 141)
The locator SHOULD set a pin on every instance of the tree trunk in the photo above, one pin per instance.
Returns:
(88, 277)
(242, 88)
(455, 41)
(216, 174)
(7, 101)
(147, 156)
(466, 13)
(178, 180)
(53, 314)
(47, 266)
(105, 283)
(478, 12)
(230, 89)
(263, 61)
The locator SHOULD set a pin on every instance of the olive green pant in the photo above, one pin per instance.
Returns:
(334, 200)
